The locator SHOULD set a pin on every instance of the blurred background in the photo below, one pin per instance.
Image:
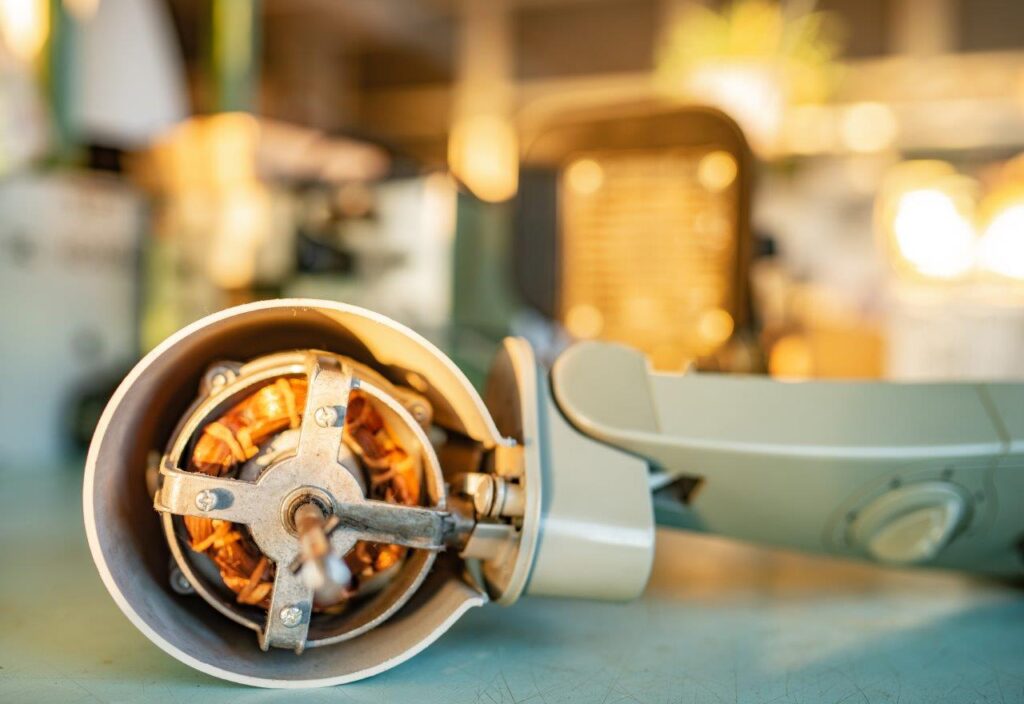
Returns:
(804, 189)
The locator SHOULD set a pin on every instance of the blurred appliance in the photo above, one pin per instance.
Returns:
(485, 300)
(24, 122)
(123, 102)
(633, 226)
(958, 332)
(226, 213)
(68, 279)
(386, 245)
(301, 493)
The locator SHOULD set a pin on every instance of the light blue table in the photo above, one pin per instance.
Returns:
(719, 623)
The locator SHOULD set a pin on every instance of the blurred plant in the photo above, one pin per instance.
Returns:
(753, 59)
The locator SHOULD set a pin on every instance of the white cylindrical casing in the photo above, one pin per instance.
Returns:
(124, 531)
(597, 522)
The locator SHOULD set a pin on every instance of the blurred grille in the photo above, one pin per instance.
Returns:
(649, 249)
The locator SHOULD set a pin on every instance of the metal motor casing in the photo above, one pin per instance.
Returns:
(587, 529)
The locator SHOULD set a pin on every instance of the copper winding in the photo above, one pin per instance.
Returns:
(237, 436)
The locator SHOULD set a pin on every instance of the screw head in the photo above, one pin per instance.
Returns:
(218, 377)
(326, 416)
(206, 500)
(180, 583)
(291, 616)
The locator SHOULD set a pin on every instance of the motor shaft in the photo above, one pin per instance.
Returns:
(320, 567)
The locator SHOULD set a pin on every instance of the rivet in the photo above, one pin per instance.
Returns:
(206, 500)
(326, 416)
(291, 616)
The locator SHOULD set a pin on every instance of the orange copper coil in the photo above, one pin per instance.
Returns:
(237, 436)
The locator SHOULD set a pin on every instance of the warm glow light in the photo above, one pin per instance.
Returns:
(584, 321)
(585, 176)
(483, 152)
(231, 140)
(214, 152)
(751, 93)
(24, 26)
(240, 227)
(714, 327)
(791, 358)
(716, 171)
(1001, 250)
(868, 127)
(932, 235)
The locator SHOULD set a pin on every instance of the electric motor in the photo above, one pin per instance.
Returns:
(297, 493)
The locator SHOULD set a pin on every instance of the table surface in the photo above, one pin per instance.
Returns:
(719, 622)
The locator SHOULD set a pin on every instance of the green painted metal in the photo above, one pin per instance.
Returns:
(233, 51)
(58, 77)
(484, 299)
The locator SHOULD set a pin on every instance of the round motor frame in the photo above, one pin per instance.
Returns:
(331, 482)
